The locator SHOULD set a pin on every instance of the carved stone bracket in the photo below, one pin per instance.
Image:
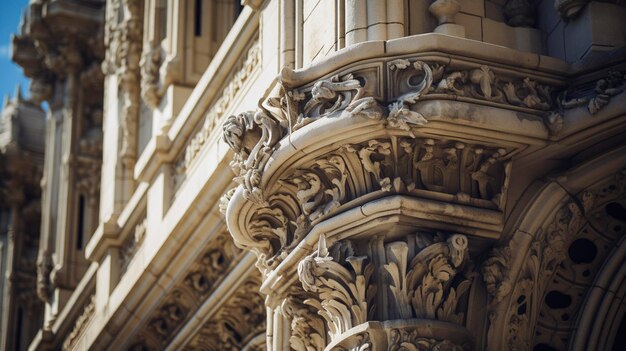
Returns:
(253, 136)
(428, 168)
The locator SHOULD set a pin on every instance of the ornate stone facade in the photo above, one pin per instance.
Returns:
(322, 175)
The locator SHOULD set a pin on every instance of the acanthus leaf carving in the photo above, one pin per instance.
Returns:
(308, 332)
(604, 90)
(252, 136)
(374, 155)
(342, 291)
(411, 340)
(321, 187)
(424, 287)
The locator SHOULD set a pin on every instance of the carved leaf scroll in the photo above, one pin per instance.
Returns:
(252, 136)
(424, 287)
(342, 291)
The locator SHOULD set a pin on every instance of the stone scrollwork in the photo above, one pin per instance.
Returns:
(252, 136)
(423, 287)
(342, 291)
(332, 95)
(343, 95)
(484, 84)
(240, 319)
(201, 279)
(308, 332)
(468, 174)
(400, 115)
(404, 340)
(604, 90)
(321, 187)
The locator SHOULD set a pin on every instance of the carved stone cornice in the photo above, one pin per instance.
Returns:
(198, 283)
(237, 323)
(436, 169)
(80, 324)
(433, 141)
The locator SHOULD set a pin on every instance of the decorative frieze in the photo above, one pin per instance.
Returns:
(80, 324)
(188, 294)
(131, 245)
(237, 323)
(214, 115)
(597, 97)
(430, 168)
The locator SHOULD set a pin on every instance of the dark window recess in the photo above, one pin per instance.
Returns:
(81, 222)
(197, 24)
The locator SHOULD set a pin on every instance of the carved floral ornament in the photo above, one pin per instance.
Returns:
(463, 173)
(419, 277)
(399, 161)
(517, 292)
(197, 284)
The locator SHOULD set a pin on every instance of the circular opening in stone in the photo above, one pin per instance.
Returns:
(616, 210)
(582, 251)
(556, 299)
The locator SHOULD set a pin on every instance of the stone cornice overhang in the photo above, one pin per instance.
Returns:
(430, 43)
(295, 178)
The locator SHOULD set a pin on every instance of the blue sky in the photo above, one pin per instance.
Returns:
(10, 73)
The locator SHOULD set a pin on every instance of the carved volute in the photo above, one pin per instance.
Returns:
(371, 200)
